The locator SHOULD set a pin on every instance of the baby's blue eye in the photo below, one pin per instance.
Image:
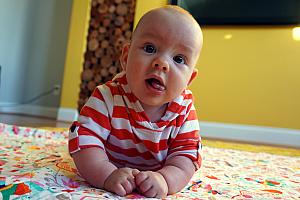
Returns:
(149, 48)
(179, 59)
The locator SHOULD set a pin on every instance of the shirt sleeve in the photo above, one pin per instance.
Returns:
(93, 125)
(188, 141)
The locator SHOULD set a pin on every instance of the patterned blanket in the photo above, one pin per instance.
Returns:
(35, 164)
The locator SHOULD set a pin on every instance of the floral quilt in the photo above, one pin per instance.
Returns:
(35, 164)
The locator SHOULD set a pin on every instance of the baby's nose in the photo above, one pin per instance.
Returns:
(161, 65)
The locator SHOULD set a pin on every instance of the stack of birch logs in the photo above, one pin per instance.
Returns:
(110, 26)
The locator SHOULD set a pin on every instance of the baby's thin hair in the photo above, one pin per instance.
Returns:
(172, 8)
(178, 9)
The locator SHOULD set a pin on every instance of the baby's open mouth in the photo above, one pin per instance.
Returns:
(156, 84)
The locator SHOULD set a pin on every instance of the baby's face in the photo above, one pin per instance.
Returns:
(160, 60)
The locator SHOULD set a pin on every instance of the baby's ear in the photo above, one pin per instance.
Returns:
(193, 76)
(124, 56)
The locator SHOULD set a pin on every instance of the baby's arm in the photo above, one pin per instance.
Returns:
(177, 172)
(94, 166)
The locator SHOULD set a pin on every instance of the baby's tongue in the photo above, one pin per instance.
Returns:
(156, 84)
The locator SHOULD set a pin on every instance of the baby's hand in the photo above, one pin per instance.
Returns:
(151, 184)
(121, 181)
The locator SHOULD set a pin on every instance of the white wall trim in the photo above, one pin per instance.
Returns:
(250, 133)
(67, 114)
(213, 130)
(28, 109)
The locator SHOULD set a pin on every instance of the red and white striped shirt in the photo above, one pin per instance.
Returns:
(114, 120)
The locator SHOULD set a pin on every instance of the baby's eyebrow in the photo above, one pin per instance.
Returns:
(186, 47)
(152, 35)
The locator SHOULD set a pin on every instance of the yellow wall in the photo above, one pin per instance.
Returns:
(142, 6)
(75, 51)
(250, 78)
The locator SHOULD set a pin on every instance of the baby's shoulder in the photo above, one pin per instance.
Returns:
(108, 89)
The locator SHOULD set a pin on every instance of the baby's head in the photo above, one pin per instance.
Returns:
(160, 60)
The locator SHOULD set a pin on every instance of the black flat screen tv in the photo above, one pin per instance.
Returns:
(243, 12)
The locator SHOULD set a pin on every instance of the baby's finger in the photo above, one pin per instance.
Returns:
(128, 187)
(140, 177)
(145, 186)
(119, 190)
(132, 182)
(135, 172)
(150, 193)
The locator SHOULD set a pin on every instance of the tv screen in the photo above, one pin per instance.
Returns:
(243, 12)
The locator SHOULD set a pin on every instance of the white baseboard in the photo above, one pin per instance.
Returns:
(67, 114)
(248, 133)
(214, 130)
(28, 109)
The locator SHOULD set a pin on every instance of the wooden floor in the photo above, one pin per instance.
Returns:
(31, 121)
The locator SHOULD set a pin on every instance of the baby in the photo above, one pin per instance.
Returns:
(140, 131)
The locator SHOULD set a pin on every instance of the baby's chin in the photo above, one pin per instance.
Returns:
(153, 103)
